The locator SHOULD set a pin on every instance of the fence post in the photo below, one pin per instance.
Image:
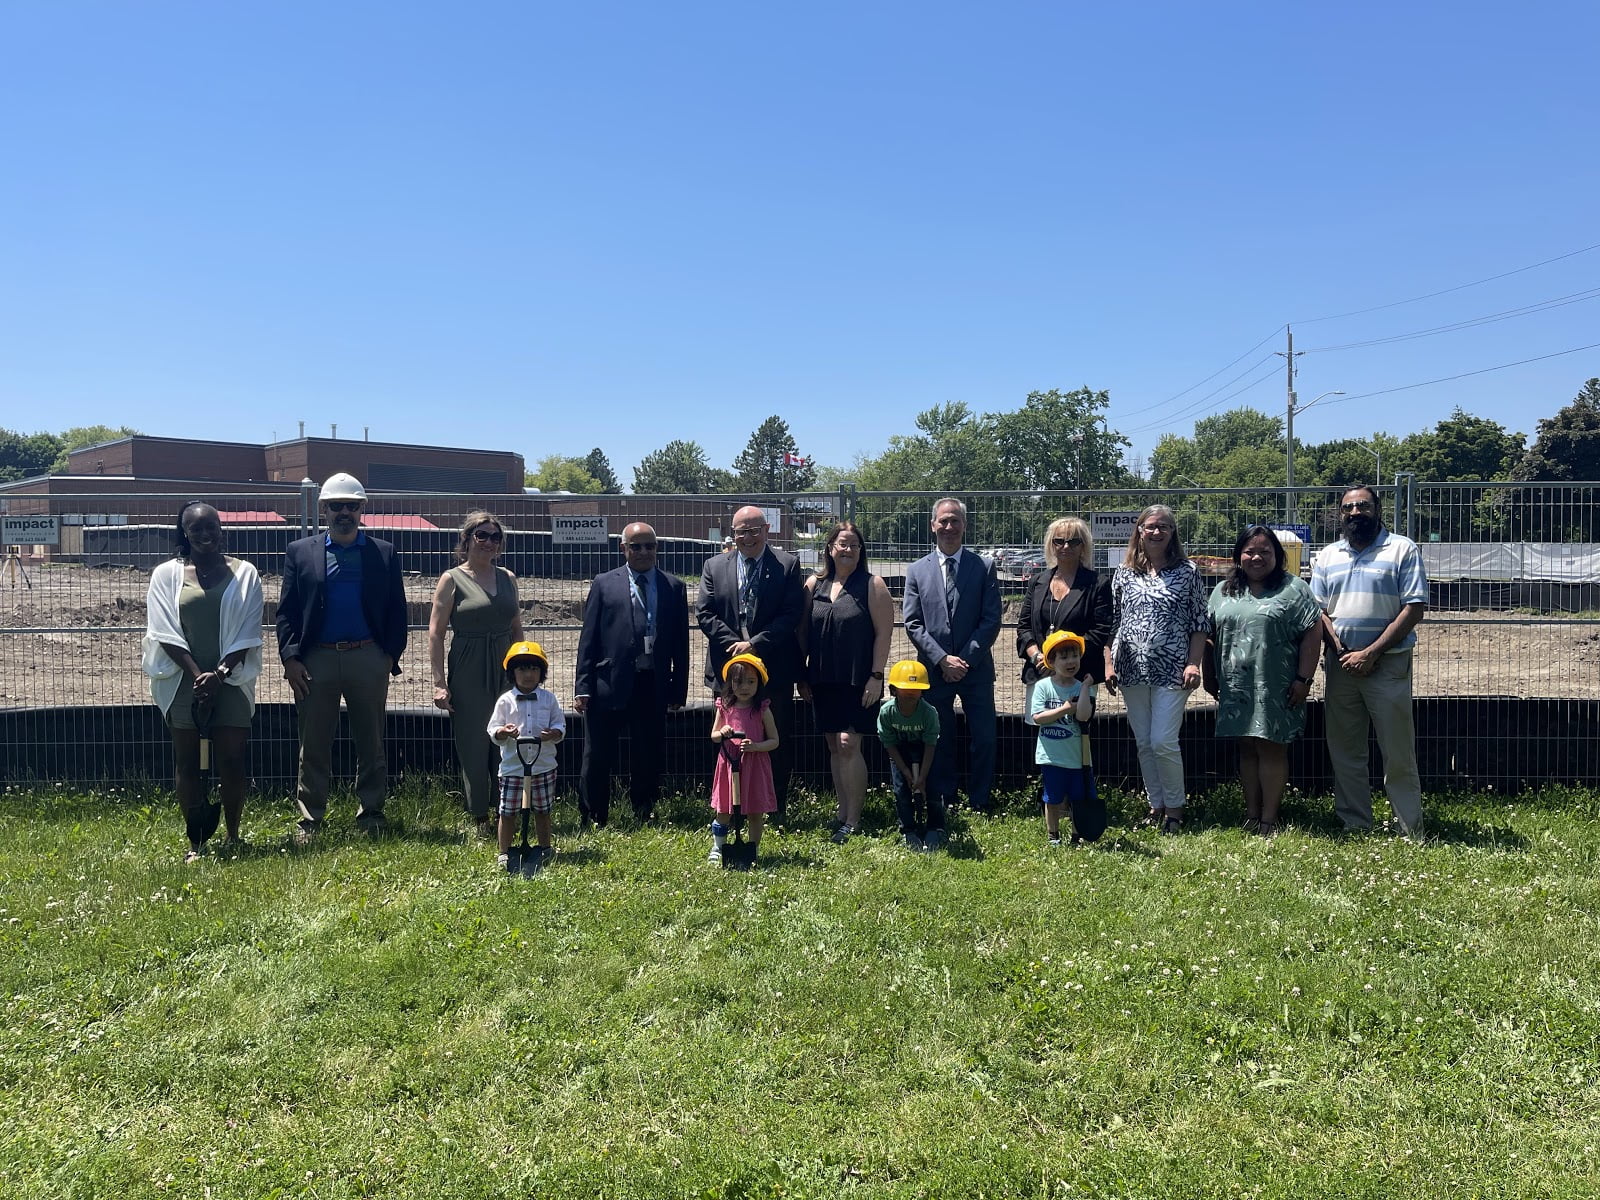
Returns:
(847, 500)
(308, 506)
(1405, 503)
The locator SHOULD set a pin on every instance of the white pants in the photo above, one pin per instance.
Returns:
(1155, 714)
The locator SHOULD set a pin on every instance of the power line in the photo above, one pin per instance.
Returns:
(1194, 408)
(1469, 323)
(1227, 366)
(1465, 374)
(1446, 291)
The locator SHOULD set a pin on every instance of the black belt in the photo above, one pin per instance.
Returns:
(345, 645)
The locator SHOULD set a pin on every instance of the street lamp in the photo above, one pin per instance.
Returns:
(1378, 455)
(1289, 430)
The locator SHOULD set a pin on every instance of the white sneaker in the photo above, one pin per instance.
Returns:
(715, 857)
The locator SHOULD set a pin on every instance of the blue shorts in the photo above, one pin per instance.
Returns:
(1068, 785)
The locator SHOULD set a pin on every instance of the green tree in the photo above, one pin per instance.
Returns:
(764, 464)
(1056, 442)
(678, 468)
(80, 436)
(1568, 444)
(1566, 450)
(1216, 437)
(557, 473)
(1464, 447)
(24, 455)
(599, 466)
(1175, 462)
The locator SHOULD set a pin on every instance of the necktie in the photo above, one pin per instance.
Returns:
(747, 595)
(951, 595)
(641, 612)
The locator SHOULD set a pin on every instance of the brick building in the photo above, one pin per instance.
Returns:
(382, 466)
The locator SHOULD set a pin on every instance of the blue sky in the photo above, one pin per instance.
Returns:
(550, 227)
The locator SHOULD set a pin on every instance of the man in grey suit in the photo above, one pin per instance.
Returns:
(952, 615)
(633, 665)
(751, 602)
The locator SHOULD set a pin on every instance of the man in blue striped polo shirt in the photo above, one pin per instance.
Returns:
(1373, 591)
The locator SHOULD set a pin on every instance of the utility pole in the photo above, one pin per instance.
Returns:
(1288, 423)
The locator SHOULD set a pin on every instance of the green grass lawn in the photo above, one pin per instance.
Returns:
(1207, 1015)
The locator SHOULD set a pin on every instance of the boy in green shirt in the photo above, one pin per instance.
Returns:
(904, 719)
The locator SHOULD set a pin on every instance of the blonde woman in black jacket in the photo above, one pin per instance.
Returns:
(1065, 594)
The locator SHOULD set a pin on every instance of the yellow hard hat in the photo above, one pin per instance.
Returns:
(751, 661)
(526, 650)
(1058, 639)
(909, 673)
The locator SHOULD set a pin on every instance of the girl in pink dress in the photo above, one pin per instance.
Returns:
(741, 710)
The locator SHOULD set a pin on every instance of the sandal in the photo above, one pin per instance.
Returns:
(1252, 825)
(1151, 819)
(1172, 825)
(1268, 829)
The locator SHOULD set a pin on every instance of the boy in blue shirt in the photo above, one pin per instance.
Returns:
(1063, 706)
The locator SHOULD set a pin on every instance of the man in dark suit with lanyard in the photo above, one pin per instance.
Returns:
(633, 666)
(952, 615)
(341, 632)
(751, 602)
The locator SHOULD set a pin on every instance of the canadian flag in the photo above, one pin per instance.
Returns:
(793, 460)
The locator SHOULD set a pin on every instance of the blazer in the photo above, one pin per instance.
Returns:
(303, 600)
(1086, 612)
(970, 632)
(608, 644)
(780, 604)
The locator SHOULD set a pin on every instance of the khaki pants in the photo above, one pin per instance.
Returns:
(361, 678)
(1383, 701)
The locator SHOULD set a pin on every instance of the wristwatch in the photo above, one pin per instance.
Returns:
(224, 670)
(877, 675)
(1305, 679)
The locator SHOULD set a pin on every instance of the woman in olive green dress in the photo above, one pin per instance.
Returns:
(1267, 628)
(477, 602)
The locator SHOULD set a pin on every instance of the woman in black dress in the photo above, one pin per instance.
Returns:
(1065, 594)
(849, 621)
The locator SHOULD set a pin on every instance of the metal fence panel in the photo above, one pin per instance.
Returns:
(1514, 626)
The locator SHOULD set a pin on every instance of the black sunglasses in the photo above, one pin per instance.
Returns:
(1071, 541)
(640, 545)
(487, 535)
(343, 505)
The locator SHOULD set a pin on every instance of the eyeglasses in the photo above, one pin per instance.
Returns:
(343, 505)
(1071, 541)
(748, 531)
(640, 545)
(487, 535)
(1153, 530)
(1358, 506)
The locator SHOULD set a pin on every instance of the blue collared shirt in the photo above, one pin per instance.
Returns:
(343, 620)
(1364, 590)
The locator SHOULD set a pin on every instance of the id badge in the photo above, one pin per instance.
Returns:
(649, 643)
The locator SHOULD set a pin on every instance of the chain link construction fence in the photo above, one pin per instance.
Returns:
(1507, 669)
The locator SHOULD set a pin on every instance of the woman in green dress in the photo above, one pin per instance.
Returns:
(1267, 627)
(477, 602)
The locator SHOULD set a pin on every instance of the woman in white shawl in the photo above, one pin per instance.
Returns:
(202, 651)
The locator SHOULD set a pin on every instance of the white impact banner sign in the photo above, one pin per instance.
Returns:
(589, 529)
(30, 531)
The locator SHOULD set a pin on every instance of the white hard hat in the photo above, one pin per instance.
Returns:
(340, 486)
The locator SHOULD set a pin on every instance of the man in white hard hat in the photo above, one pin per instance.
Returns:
(341, 632)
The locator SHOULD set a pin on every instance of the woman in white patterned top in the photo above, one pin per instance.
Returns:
(1158, 608)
